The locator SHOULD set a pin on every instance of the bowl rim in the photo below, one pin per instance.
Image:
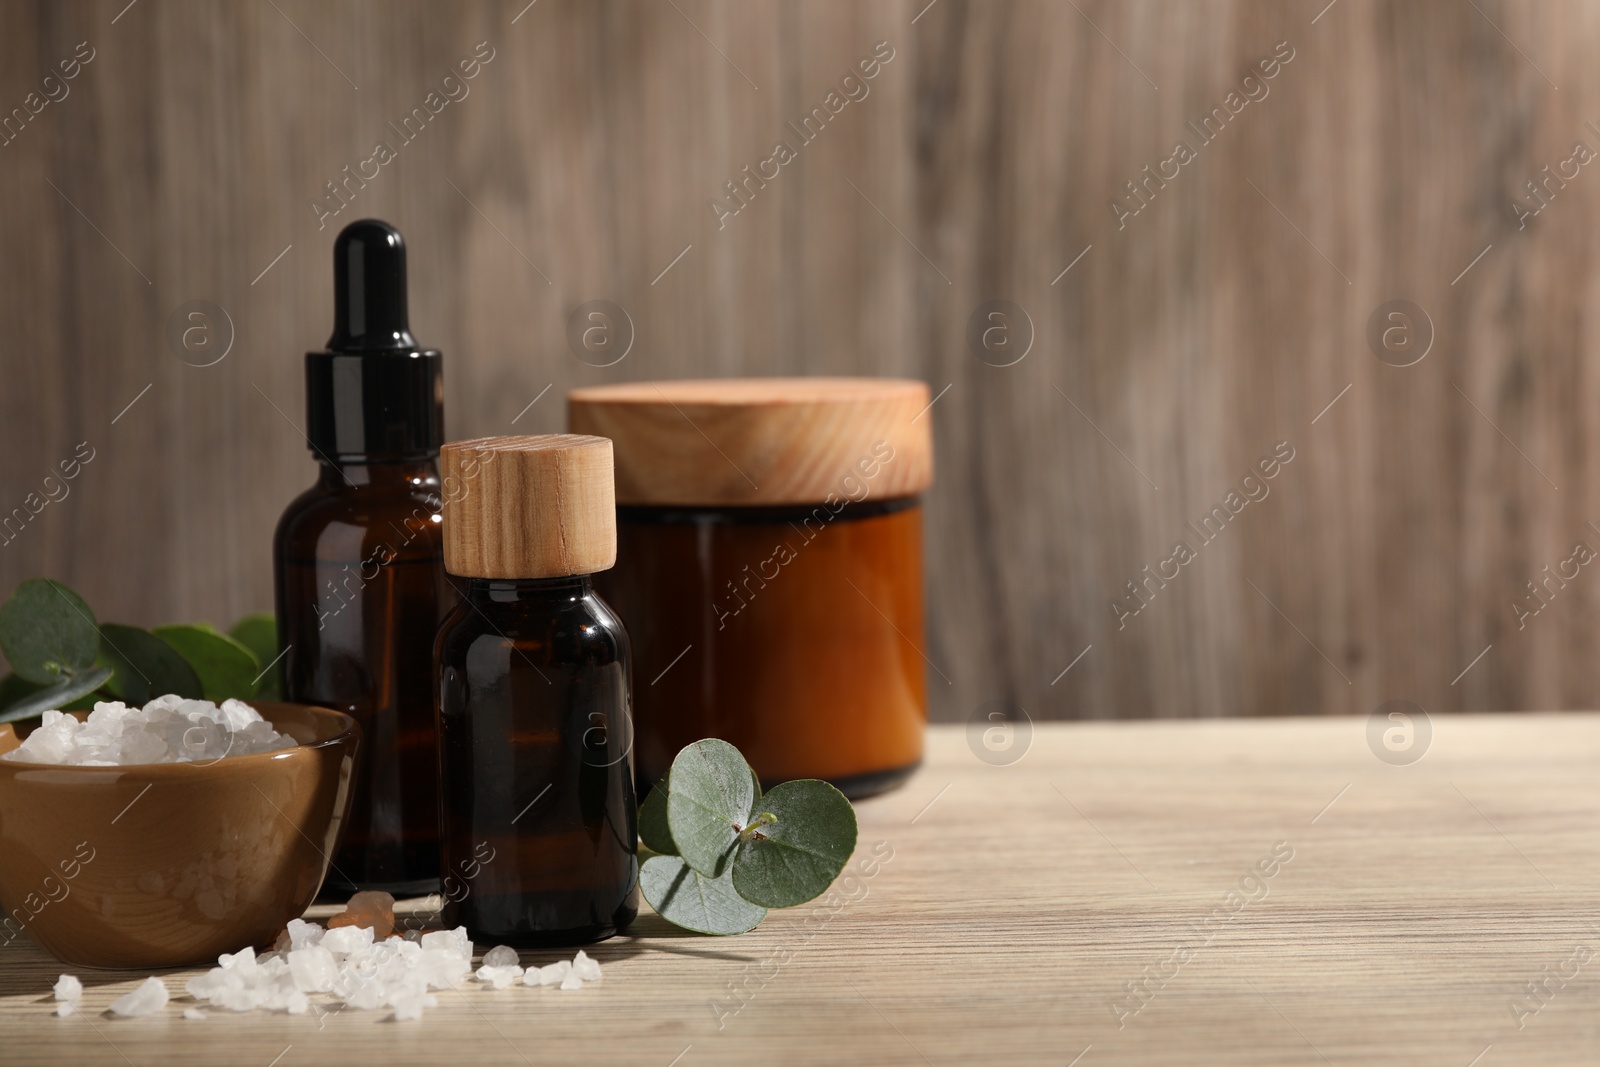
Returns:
(349, 730)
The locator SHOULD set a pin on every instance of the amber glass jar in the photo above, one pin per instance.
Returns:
(533, 681)
(769, 570)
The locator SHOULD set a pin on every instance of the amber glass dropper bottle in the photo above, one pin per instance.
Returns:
(360, 577)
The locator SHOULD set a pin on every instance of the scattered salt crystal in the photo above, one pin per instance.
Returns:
(68, 988)
(168, 729)
(454, 941)
(585, 967)
(347, 939)
(366, 994)
(501, 956)
(499, 977)
(555, 972)
(313, 968)
(243, 959)
(441, 969)
(366, 973)
(193, 1013)
(149, 998)
(408, 1008)
(565, 974)
(303, 934)
(367, 908)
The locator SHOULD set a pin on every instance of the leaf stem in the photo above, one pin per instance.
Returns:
(766, 818)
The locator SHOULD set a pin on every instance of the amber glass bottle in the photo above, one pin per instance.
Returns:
(359, 567)
(770, 569)
(534, 693)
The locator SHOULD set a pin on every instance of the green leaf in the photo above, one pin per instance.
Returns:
(13, 688)
(48, 632)
(259, 633)
(712, 791)
(803, 850)
(685, 897)
(225, 667)
(144, 666)
(53, 697)
(654, 830)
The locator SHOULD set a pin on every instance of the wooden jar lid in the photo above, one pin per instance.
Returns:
(761, 441)
(528, 507)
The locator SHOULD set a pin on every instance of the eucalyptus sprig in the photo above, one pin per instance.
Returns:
(725, 852)
(62, 658)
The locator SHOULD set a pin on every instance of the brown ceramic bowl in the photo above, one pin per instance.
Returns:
(166, 864)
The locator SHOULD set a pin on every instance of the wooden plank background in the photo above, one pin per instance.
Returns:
(1173, 355)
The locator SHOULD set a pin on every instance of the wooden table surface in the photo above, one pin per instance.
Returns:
(1407, 911)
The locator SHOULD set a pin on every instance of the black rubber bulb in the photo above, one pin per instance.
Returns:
(369, 290)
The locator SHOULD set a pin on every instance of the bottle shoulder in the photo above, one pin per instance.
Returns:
(582, 627)
(358, 520)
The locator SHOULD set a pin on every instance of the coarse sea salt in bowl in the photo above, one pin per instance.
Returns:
(170, 863)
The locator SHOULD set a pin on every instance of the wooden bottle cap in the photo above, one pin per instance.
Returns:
(528, 507)
(761, 441)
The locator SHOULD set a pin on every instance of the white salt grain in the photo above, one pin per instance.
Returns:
(313, 968)
(149, 998)
(347, 939)
(555, 972)
(168, 729)
(454, 941)
(349, 964)
(303, 934)
(499, 977)
(68, 991)
(586, 968)
(501, 956)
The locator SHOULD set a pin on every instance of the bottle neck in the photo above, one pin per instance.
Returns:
(344, 472)
(529, 590)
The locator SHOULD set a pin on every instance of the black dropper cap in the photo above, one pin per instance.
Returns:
(374, 391)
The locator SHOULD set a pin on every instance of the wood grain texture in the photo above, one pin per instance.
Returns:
(522, 506)
(1010, 906)
(753, 442)
(1172, 349)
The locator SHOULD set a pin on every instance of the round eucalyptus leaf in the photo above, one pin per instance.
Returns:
(712, 791)
(259, 633)
(14, 687)
(58, 696)
(225, 667)
(685, 897)
(144, 666)
(654, 831)
(798, 855)
(47, 631)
